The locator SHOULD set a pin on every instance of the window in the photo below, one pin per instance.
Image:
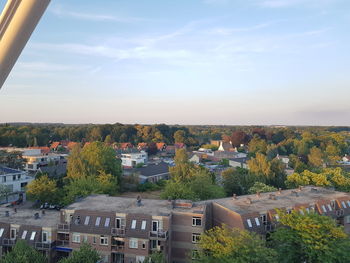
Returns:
(348, 202)
(343, 204)
(196, 221)
(85, 238)
(24, 234)
(196, 237)
(87, 219)
(263, 219)
(329, 207)
(13, 233)
(118, 222)
(1, 231)
(257, 221)
(94, 239)
(133, 224)
(133, 243)
(107, 222)
(140, 259)
(98, 220)
(143, 225)
(44, 236)
(103, 240)
(76, 238)
(143, 244)
(155, 225)
(13, 177)
(347, 219)
(249, 223)
(324, 209)
(32, 236)
(153, 244)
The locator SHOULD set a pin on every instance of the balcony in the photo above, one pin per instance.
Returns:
(118, 248)
(62, 243)
(8, 242)
(118, 232)
(44, 246)
(63, 228)
(158, 235)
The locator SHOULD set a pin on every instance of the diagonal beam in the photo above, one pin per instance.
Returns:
(17, 22)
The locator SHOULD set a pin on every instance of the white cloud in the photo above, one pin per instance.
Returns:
(59, 11)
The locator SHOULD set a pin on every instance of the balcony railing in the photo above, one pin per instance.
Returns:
(160, 235)
(118, 248)
(63, 228)
(44, 246)
(119, 232)
(62, 243)
(8, 242)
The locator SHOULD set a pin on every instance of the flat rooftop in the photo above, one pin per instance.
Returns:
(25, 216)
(128, 205)
(285, 199)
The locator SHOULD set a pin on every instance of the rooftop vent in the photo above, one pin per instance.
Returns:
(300, 188)
(258, 194)
(272, 197)
(249, 200)
(7, 213)
(234, 197)
(279, 191)
(36, 216)
(313, 189)
(295, 193)
(43, 212)
(138, 201)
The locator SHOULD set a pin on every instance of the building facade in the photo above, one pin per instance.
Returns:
(127, 230)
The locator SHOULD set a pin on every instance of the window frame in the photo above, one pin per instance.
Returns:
(195, 219)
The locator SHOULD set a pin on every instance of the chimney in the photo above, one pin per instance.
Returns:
(258, 194)
(43, 212)
(300, 188)
(272, 197)
(234, 196)
(7, 213)
(249, 200)
(36, 216)
(279, 191)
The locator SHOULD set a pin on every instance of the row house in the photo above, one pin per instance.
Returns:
(38, 229)
(258, 212)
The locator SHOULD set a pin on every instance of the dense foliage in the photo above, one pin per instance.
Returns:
(23, 253)
(85, 254)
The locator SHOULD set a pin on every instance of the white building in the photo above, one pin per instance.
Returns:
(24, 151)
(132, 159)
(15, 180)
(33, 163)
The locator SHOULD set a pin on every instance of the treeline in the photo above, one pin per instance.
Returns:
(42, 134)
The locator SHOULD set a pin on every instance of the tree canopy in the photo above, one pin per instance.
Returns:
(23, 253)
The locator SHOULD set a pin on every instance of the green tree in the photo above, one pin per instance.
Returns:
(156, 257)
(43, 189)
(315, 157)
(237, 181)
(261, 188)
(85, 254)
(222, 244)
(23, 253)
(11, 159)
(180, 136)
(257, 145)
(311, 238)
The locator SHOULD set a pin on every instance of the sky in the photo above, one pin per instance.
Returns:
(232, 62)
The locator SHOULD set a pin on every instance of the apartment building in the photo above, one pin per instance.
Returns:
(258, 212)
(38, 229)
(127, 230)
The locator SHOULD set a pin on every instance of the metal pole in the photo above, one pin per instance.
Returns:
(17, 22)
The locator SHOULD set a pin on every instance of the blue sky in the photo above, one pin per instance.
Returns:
(185, 62)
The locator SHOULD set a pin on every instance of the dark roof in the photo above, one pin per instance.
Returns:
(6, 170)
(154, 169)
(55, 170)
(239, 160)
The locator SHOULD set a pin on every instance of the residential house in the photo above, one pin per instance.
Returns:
(153, 172)
(226, 147)
(238, 162)
(142, 146)
(161, 146)
(15, 180)
(33, 163)
(284, 159)
(130, 160)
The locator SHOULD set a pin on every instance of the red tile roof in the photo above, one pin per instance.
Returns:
(55, 145)
(70, 145)
(160, 145)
